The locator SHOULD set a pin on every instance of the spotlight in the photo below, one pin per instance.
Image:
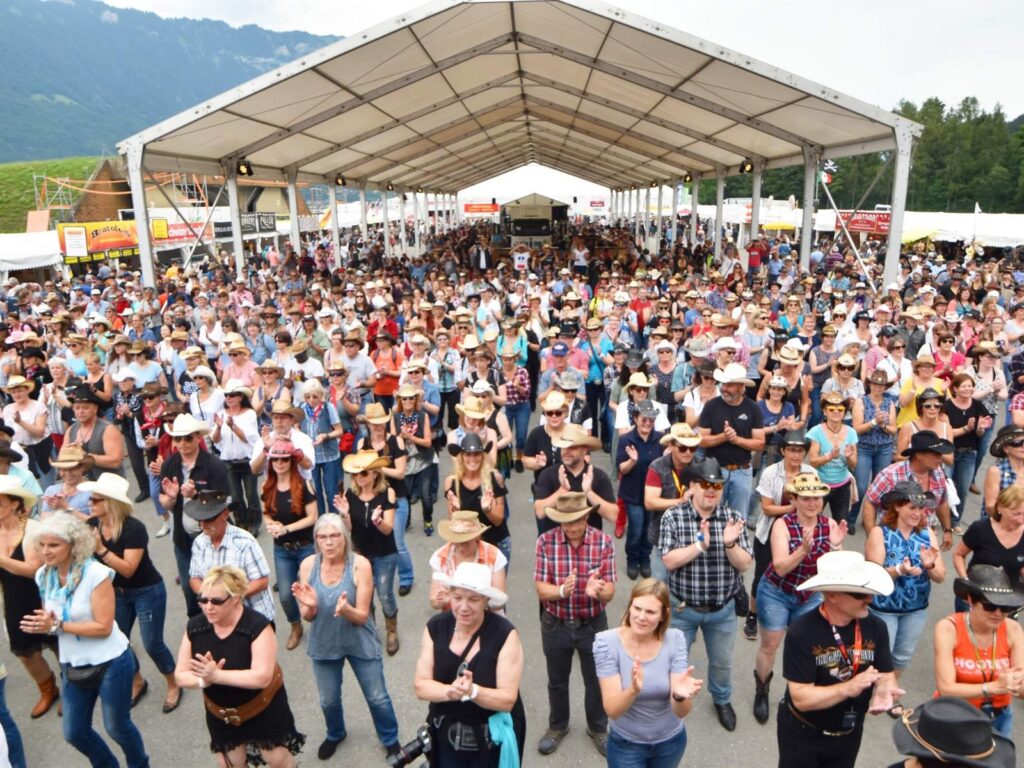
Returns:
(746, 166)
(340, 181)
(632, 188)
(688, 178)
(419, 190)
(244, 168)
(654, 184)
(390, 187)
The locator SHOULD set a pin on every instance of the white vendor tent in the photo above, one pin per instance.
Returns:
(29, 250)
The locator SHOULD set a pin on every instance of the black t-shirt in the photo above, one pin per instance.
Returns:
(285, 516)
(986, 549)
(538, 442)
(208, 474)
(811, 656)
(549, 482)
(744, 418)
(368, 540)
(469, 499)
(393, 452)
(134, 536)
(958, 419)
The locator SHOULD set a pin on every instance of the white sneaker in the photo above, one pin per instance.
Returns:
(164, 530)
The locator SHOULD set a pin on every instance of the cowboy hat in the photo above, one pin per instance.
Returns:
(207, 505)
(570, 507)
(555, 401)
(233, 386)
(681, 434)
(482, 387)
(570, 379)
(903, 491)
(733, 373)
(72, 456)
(281, 449)
(363, 461)
(185, 353)
(849, 361)
(777, 382)
(985, 348)
(647, 409)
(706, 470)
(19, 382)
(640, 381)
(955, 732)
(464, 525)
(375, 414)
(186, 424)
(407, 390)
(471, 443)
(808, 484)
(927, 441)
(575, 436)
(152, 388)
(1006, 434)
(238, 346)
(270, 364)
(476, 577)
(203, 372)
(878, 376)
(124, 374)
(834, 398)
(11, 486)
(83, 393)
(301, 345)
(109, 486)
(848, 571)
(473, 408)
(924, 360)
(795, 438)
(790, 356)
(991, 584)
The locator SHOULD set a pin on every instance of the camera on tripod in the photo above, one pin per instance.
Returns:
(418, 746)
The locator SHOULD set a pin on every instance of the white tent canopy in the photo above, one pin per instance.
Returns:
(29, 250)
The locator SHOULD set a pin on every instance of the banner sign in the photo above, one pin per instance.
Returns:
(479, 208)
(93, 241)
(866, 221)
(521, 260)
(252, 223)
(597, 203)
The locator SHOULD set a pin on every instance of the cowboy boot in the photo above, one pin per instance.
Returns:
(391, 624)
(295, 636)
(761, 697)
(48, 693)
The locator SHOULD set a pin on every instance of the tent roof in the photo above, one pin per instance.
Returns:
(459, 91)
(535, 199)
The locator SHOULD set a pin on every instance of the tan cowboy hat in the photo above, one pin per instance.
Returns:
(683, 434)
(270, 364)
(355, 336)
(924, 360)
(178, 335)
(573, 436)
(464, 525)
(472, 408)
(72, 456)
(807, 484)
(569, 507)
(236, 385)
(238, 346)
(790, 356)
(11, 486)
(109, 486)
(284, 406)
(845, 360)
(375, 414)
(301, 345)
(407, 390)
(185, 353)
(553, 402)
(186, 424)
(362, 461)
(19, 382)
(639, 379)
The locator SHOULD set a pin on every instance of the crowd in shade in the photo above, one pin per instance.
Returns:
(791, 455)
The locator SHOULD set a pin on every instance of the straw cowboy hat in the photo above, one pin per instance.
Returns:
(473, 408)
(570, 507)
(733, 373)
(464, 525)
(363, 461)
(19, 382)
(681, 434)
(575, 436)
(283, 406)
(639, 380)
(109, 486)
(233, 386)
(71, 457)
(954, 731)
(554, 401)
(375, 414)
(991, 584)
(808, 484)
(790, 356)
(476, 577)
(11, 486)
(186, 424)
(848, 571)
(924, 360)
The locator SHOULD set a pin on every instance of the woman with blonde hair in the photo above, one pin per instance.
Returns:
(28, 418)
(139, 591)
(924, 378)
(323, 426)
(473, 420)
(229, 653)
(412, 422)
(647, 685)
(476, 486)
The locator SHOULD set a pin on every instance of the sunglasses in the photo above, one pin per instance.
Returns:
(728, 351)
(835, 409)
(946, 341)
(664, 351)
(559, 412)
(96, 499)
(1015, 444)
(686, 448)
(848, 368)
(237, 354)
(990, 608)
(335, 374)
(898, 346)
(151, 397)
(931, 405)
(183, 439)
(856, 595)
(709, 486)
(218, 601)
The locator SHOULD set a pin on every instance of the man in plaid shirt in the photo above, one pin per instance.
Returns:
(705, 549)
(575, 579)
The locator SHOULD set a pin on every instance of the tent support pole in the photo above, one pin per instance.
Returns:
(332, 193)
(694, 217)
(135, 171)
(293, 210)
(236, 223)
(811, 160)
(900, 182)
(719, 212)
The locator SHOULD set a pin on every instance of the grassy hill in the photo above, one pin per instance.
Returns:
(17, 195)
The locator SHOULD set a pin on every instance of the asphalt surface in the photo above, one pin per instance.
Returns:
(181, 738)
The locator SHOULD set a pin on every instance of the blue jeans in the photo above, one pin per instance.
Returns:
(658, 569)
(904, 632)
(419, 484)
(623, 753)
(326, 480)
(738, 487)
(154, 494)
(964, 466)
(871, 459)
(286, 568)
(149, 606)
(519, 418)
(183, 559)
(638, 546)
(15, 747)
(370, 675)
(115, 695)
(505, 547)
(983, 440)
(384, 568)
(719, 630)
(1003, 724)
(406, 576)
(815, 418)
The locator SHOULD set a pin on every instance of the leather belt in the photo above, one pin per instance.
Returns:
(734, 467)
(804, 721)
(250, 709)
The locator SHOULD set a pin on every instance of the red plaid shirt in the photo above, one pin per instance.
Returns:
(556, 559)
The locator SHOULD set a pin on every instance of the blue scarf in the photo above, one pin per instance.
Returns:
(51, 590)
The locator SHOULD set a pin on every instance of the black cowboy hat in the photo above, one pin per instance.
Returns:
(795, 438)
(927, 441)
(955, 732)
(991, 584)
(470, 443)
(83, 393)
(706, 470)
(1006, 434)
(206, 506)
(906, 490)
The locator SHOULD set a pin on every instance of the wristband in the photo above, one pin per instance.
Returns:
(561, 591)
(947, 530)
(202, 682)
(730, 546)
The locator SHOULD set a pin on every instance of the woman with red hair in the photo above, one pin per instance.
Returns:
(289, 511)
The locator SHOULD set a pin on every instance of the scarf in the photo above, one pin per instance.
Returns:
(313, 414)
(51, 591)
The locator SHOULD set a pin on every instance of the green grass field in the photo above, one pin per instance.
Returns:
(17, 195)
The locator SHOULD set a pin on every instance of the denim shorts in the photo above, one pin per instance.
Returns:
(776, 609)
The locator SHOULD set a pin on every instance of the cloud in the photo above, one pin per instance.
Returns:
(108, 17)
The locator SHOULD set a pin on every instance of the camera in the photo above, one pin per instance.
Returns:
(419, 745)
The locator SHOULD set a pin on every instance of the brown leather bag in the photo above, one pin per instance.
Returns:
(248, 710)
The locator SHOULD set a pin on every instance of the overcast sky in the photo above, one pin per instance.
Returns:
(877, 51)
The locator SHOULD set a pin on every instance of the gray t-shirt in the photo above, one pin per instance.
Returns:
(650, 719)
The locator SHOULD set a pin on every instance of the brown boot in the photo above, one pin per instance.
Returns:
(391, 623)
(295, 636)
(48, 694)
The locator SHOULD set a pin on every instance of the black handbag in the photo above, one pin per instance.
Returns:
(88, 676)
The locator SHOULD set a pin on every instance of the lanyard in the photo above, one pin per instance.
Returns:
(977, 655)
(679, 486)
(854, 664)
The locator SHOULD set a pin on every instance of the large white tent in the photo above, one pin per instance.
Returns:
(458, 91)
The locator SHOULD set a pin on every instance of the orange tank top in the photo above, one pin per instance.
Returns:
(966, 659)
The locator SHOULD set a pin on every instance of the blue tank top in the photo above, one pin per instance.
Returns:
(331, 637)
(911, 592)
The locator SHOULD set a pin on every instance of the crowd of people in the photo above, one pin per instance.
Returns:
(718, 417)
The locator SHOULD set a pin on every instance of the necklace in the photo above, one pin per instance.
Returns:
(834, 431)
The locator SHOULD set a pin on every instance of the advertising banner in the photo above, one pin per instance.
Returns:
(92, 241)
(480, 208)
(866, 221)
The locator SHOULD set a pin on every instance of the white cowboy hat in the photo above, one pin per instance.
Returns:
(733, 373)
(186, 424)
(110, 486)
(11, 486)
(847, 571)
(236, 385)
(475, 577)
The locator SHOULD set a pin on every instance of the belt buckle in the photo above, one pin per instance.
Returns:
(230, 716)
(574, 623)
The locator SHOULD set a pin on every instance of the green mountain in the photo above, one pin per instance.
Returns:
(78, 75)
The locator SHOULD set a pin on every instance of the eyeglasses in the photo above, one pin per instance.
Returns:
(728, 351)
(96, 499)
(559, 412)
(709, 486)
(218, 601)
(835, 409)
(328, 536)
(183, 438)
(237, 354)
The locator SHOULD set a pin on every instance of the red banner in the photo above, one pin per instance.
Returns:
(876, 222)
(597, 203)
(480, 207)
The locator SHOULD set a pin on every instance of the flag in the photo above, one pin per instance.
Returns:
(977, 209)
(826, 178)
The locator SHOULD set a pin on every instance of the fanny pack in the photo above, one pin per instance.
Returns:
(87, 676)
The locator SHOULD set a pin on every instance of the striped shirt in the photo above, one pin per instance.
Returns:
(557, 558)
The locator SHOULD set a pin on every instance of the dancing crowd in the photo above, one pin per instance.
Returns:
(717, 415)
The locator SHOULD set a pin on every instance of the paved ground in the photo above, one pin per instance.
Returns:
(181, 737)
